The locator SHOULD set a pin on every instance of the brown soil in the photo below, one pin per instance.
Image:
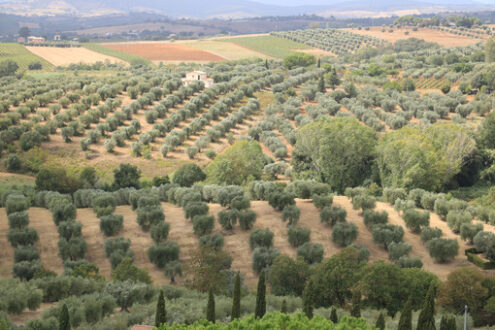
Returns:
(74, 55)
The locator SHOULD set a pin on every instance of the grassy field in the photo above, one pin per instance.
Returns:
(268, 45)
(227, 50)
(22, 56)
(115, 53)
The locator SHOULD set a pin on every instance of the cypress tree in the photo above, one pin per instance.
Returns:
(318, 64)
(283, 310)
(236, 303)
(356, 304)
(448, 323)
(266, 64)
(405, 321)
(210, 308)
(321, 85)
(308, 300)
(260, 310)
(333, 316)
(426, 319)
(63, 320)
(161, 313)
(380, 322)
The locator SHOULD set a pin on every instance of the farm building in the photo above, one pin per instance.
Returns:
(197, 75)
(35, 40)
(21, 40)
(57, 37)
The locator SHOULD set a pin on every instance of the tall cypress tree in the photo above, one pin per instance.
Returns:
(333, 316)
(405, 321)
(448, 323)
(210, 307)
(161, 313)
(283, 310)
(261, 297)
(63, 320)
(356, 304)
(308, 300)
(236, 302)
(266, 64)
(318, 64)
(426, 319)
(321, 85)
(380, 322)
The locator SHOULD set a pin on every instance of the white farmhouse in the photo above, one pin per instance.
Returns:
(197, 76)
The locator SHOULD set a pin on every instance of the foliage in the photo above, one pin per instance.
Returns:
(126, 176)
(236, 300)
(344, 233)
(188, 174)
(372, 218)
(416, 220)
(260, 309)
(426, 318)
(163, 253)
(161, 313)
(332, 215)
(311, 253)
(159, 232)
(443, 249)
(210, 307)
(126, 270)
(291, 214)
(111, 224)
(297, 236)
(261, 238)
(385, 234)
(296, 60)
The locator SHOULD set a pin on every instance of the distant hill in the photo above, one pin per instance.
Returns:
(237, 8)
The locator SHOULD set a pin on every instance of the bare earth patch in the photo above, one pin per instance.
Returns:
(74, 55)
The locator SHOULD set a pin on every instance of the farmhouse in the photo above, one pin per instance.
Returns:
(35, 40)
(197, 75)
(57, 37)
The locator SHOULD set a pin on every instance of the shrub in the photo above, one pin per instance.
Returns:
(264, 257)
(111, 224)
(429, 233)
(104, 205)
(72, 249)
(397, 250)
(159, 232)
(470, 230)
(321, 201)
(188, 174)
(385, 234)
(26, 236)
(344, 233)
(192, 151)
(210, 153)
(18, 220)
(298, 235)
(483, 240)
(392, 194)
(333, 214)
(16, 203)
(226, 195)
(149, 215)
(12, 162)
(25, 270)
(311, 253)
(455, 219)
(163, 253)
(372, 218)
(409, 262)
(30, 140)
(70, 229)
(195, 209)
(404, 205)
(364, 253)
(214, 241)
(363, 202)
(63, 212)
(261, 238)
(279, 200)
(291, 214)
(240, 203)
(247, 219)
(26, 253)
(416, 220)
(228, 218)
(203, 224)
(442, 249)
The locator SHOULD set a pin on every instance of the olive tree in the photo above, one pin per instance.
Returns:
(163, 253)
(416, 220)
(332, 215)
(443, 249)
(311, 253)
(203, 224)
(344, 233)
(291, 214)
(297, 236)
(159, 232)
(261, 238)
(385, 234)
(111, 224)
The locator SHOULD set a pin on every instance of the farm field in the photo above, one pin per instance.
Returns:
(227, 50)
(129, 58)
(165, 52)
(19, 54)
(73, 55)
(443, 38)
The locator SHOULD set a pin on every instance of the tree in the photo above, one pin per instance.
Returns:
(486, 133)
(344, 233)
(159, 232)
(63, 320)
(297, 236)
(321, 84)
(295, 60)
(237, 165)
(333, 316)
(126, 176)
(308, 300)
(261, 238)
(173, 269)
(160, 313)
(24, 32)
(236, 300)
(333, 78)
(88, 177)
(163, 253)
(288, 276)
(203, 224)
(311, 253)
(386, 234)
(356, 303)
(448, 323)
(260, 308)
(443, 249)
(380, 322)
(426, 318)
(188, 174)
(291, 214)
(8, 68)
(55, 179)
(405, 321)
(338, 151)
(490, 50)
(204, 268)
(30, 140)
(210, 307)
(283, 309)
(127, 271)
(416, 220)
(332, 215)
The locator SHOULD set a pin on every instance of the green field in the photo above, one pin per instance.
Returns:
(19, 54)
(115, 53)
(269, 45)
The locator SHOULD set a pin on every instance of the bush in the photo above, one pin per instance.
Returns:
(240, 203)
(372, 218)
(429, 233)
(214, 241)
(117, 249)
(470, 230)
(26, 236)
(392, 194)
(364, 253)
(63, 212)
(70, 229)
(159, 232)
(409, 262)
(291, 214)
(12, 162)
(188, 174)
(298, 235)
(279, 200)
(18, 220)
(111, 224)
(104, 205)
(455, 219)
(226, 195)
(311, 253)
(344, 233)
(322, 201)
(26, 253)
(333, 214)
(72, 249)
(203, 224)
(483, 240)
(363, 202)
(149, 215)
(228, 218)
(210, 153)
(261, 238)
(264, 257)
(397, 250)
(163, 253)
(247, 219)
(16, 203)
(442, 249)
(416, 220)
(385, 234)
(30, 140)
(25, 270)
(195, 209)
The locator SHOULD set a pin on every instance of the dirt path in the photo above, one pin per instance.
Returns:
(41, 220)
(95, 240)
(7, 251)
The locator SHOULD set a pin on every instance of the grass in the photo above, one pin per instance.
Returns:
(19, 54)
(224, 49)
(130, 58)
(269, 45)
